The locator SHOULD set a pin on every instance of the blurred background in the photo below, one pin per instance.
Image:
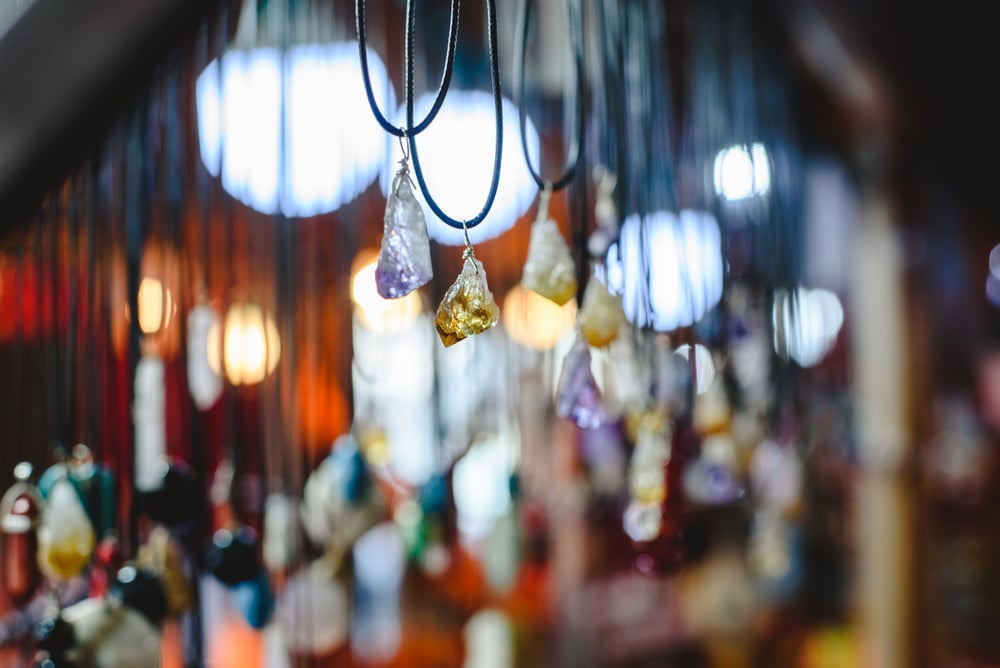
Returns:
(762, 430)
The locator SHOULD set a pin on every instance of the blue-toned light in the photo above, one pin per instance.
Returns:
(668, 268)
(742, 171)
(333, 147)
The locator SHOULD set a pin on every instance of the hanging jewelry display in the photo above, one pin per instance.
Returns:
(549, 268)
(468, 306)
(404, 259)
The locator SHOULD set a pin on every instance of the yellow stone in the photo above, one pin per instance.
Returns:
(65, 537)
(468, 307)
(602, 315)
(549, 268)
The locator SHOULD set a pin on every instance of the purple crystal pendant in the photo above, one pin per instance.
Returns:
(404, 260)
(578, 396)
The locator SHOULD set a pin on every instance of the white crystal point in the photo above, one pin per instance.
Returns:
(65, 537)
(404, 260)
(549, 269)
(601, 315)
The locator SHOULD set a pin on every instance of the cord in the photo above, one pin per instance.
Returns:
(491, 28)
(575, 15)
(449, 66)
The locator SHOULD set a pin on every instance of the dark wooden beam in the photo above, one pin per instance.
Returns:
(68, 71)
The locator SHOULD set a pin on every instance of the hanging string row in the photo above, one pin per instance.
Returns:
(491, 29)
(575, 16)
(361, 26)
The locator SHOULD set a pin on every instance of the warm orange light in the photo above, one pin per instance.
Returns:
(156, 306)
(534, 321)
(250, 346)
(379, 315)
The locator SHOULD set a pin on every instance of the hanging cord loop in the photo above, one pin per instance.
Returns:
(449, 66)
(575, 17)
(491, 28)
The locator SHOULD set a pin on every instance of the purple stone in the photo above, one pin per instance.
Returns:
(404, 260)
(578, 396)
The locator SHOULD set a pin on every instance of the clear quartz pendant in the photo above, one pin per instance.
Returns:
(577, 395)
(601, 316)
(65, 537)
(549, 269)
(404, 260)
(468, 307)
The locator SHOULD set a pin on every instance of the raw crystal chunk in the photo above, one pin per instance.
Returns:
(468, 307)
(549, 269)
(65, 537)
(578, 396)
(404, 261)
(602, 315)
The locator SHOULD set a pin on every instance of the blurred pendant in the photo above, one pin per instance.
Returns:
(577, 395)
(108, 636)
(340, 500)
(313, 611)
(162, 556)
(602, 315)
(204, 382)
(643, 521)
(468, 307)
(647, 469)
(96, 486)
(65, 536)
(549, 269)
(404, 260)
(20, 509)
(605, 213)
(254, 599)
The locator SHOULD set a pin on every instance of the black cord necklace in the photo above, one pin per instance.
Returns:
(409, 133)
(491, 28)
(360, 10)
(575, 15)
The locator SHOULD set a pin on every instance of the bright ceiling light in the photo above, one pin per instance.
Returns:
(806, 324)
(668, 268)
(456, 158)
(742, 171)
(315, 153)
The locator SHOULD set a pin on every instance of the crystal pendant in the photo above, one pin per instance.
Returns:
(549, 269)
(404, 261)
(468, 307)
(578, 396)
(65, 537)
(602, 315)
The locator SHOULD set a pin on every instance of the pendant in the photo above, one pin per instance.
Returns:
(404, 260)
(65, 537)
(468, 307)
(20, 509)
(602, 315)
(549, 268)
(578, 396)
(340, 500)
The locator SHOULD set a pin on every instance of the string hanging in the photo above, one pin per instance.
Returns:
(360, 11)
(575, 18)
(491, 28)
